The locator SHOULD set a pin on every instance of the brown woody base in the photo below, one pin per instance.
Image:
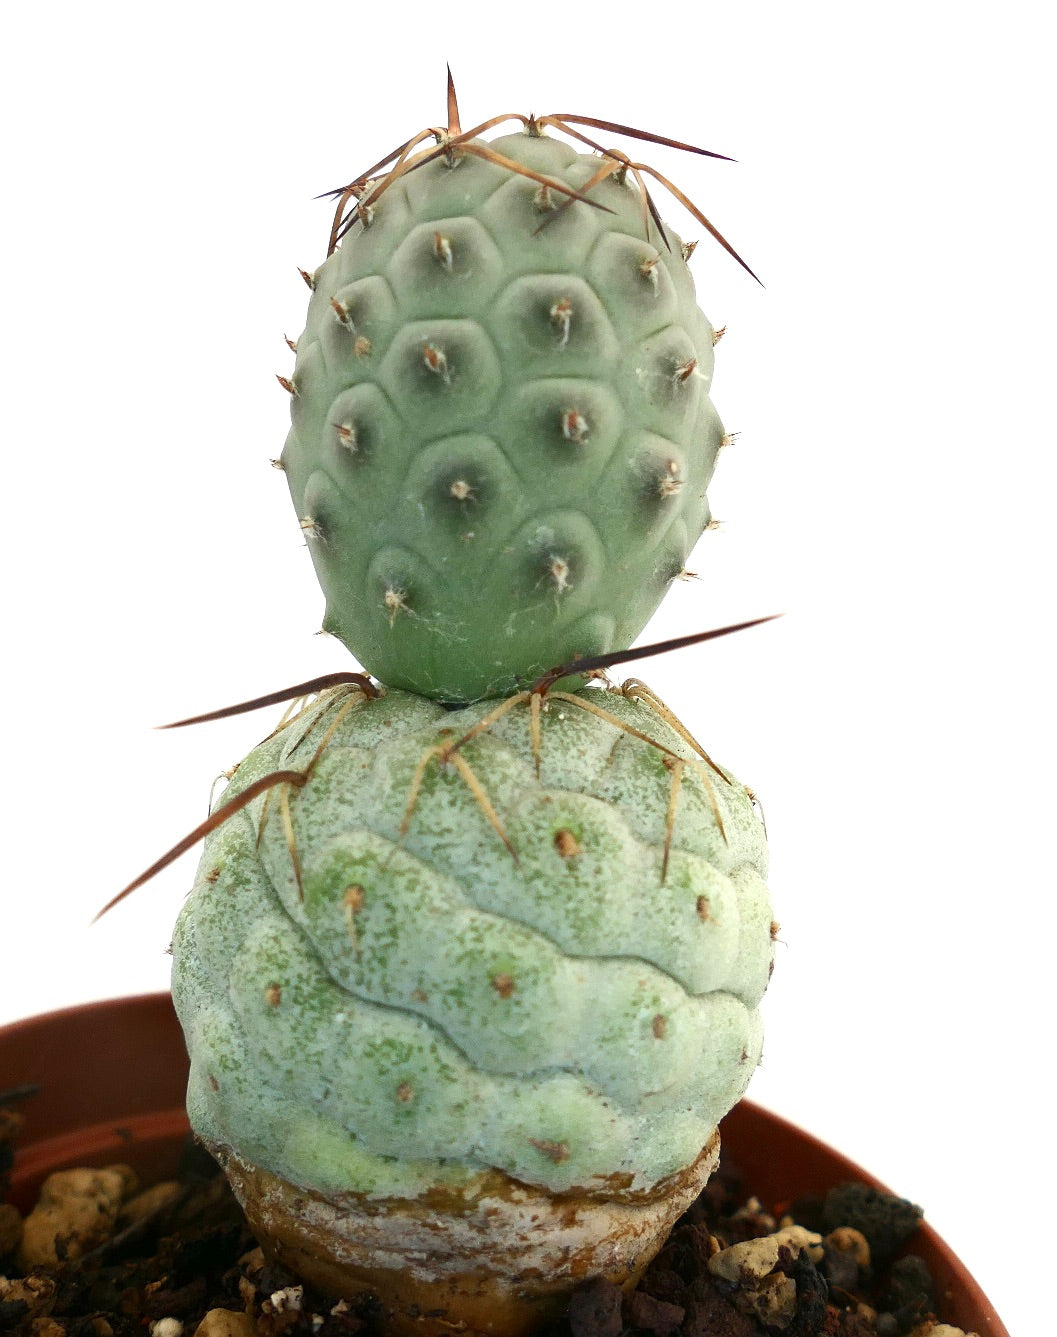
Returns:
(502, 1259)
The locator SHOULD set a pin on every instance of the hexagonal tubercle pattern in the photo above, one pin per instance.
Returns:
(555, 356)
(380, 1001)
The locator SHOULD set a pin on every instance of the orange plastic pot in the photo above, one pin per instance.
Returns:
(111, 1077)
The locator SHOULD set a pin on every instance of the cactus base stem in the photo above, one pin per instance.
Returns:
(501, 1259)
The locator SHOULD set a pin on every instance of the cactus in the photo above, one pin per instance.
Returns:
(501, 425)
(533, 956)
(468, 985)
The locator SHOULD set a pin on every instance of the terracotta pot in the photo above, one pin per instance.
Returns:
(112, 1075)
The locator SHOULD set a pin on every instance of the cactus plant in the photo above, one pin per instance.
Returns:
(501, 426)
(470, 960)
(468, 984)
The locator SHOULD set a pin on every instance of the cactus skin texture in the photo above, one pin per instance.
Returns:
(390, 1012)
(502, 433)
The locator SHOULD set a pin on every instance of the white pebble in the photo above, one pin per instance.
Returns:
(289, 1298)
(749, 1261)
(942, 1330)
(167, 1327)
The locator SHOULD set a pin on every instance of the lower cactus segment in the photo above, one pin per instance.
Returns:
(533, 957)
(502, 1259)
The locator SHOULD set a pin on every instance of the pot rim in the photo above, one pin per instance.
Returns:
(145, 1123)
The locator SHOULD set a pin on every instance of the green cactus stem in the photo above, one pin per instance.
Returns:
(502, 433)
(539, 952)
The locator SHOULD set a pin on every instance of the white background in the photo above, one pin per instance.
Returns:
(891, 492)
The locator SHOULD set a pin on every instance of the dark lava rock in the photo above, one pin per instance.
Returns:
(886, 1221)
(594, 1310)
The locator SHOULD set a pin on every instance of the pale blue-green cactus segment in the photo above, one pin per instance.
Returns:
(501, 429)
(409, 971)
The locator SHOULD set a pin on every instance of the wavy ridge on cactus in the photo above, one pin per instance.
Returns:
(383, 1005)
(501, 433)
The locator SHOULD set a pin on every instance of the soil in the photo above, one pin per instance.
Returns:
(179, 1261)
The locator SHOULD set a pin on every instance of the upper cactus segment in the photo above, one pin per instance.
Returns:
(502, 431)
(510, 972)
